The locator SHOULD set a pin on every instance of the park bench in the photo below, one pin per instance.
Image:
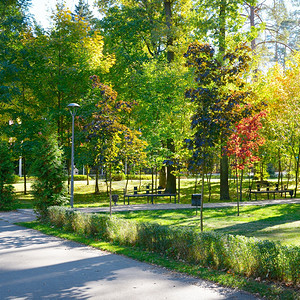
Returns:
(269, 191)
(149, 195)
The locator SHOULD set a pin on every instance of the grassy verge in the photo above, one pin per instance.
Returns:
(272, 222)
(265, 289)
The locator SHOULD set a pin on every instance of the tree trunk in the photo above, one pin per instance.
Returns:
(261, 171)
(152, 184)
(110, 195)
(241, 191)
(297, 171)
(162, 177)
(202, 200)
(222, 28)
(168, 12)
(279, 167)
(87, 175)
(156, 178)
(178, 184)
(140, 179)
(208, 180)
(24, 174)
(289, 173)
(171, 178)
(126, 184)
(224, 186)
(196, 180)
(96, 182)
(237, 189)
(252, 24)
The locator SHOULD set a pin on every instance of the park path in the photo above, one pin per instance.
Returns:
(186, 206)
(37, 266)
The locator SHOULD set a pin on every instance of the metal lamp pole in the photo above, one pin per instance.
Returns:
(72, 107)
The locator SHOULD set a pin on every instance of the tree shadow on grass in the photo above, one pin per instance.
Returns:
(288, 214)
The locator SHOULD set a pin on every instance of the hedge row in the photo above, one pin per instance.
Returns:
(247, 256)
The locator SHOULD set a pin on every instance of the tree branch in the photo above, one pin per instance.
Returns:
(273, 42)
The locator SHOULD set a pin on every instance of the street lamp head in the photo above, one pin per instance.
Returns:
(72, 107)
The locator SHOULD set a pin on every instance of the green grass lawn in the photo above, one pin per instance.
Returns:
(278, 222)
(273, 222)
(84, 195)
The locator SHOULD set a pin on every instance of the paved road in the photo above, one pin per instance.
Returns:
(36, 266)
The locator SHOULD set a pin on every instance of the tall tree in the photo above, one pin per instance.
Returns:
(82, 12)
(144, 34)
(220, 97)
(108, 129)
(279, 88)
(243, 146)
(63, 59)
(12, 26)
(220, 20)
(276, 29)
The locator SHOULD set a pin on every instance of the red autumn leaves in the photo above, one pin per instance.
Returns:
(245, 141)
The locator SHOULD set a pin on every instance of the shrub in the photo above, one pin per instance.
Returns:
(57, 215)
(6, 177)
(97, 225)
(138, 177)
(242, 255)
(118, 176)
(79, 177)
(49, 188)
(15, 179)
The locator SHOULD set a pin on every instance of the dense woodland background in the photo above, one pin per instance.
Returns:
(173, 87)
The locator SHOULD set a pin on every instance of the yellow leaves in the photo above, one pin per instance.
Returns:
(281, 90)
(95, 45)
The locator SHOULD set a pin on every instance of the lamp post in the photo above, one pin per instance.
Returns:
(72, 107)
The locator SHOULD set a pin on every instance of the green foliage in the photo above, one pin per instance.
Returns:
(237, 254)
(79, 177)
(15, 179)
(138, 177)
(6, 177)
(118, 176)
(12, 26)
(49, 188)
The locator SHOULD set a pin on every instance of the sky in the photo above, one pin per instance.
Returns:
(41, 9)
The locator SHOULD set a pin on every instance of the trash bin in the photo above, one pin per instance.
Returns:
(115, 198)
(196, 199)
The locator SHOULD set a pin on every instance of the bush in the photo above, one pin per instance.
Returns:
(14, 179)
(49, 188)
(6, 177)
(118, 176)
(247, 256)
(138, 177)
(79, 177)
